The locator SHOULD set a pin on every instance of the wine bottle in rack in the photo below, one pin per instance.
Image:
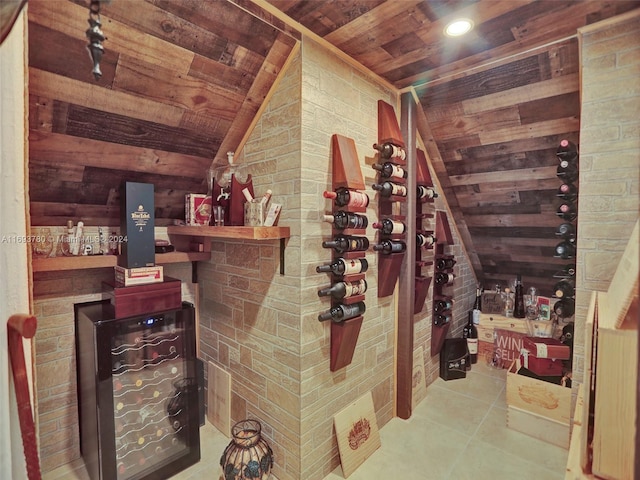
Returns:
(426, 192)
(425, 241)
(567, 191)
(344, 289)
(567, 151)
(342, 220)
(568, 174)
(564, 289)
(390, 170)
(344, 197)
(442, 305)
(442, 278)
(347, 243)
(445, 263)
(340, 313)
(567, 211)
(566, 230)
(389, 150)
(565, 249)
(387, 247)
(565, 307)
(344, 266)
(477, 305)
(390, 227)
(388, 189)
(441, 319)
(569, 270)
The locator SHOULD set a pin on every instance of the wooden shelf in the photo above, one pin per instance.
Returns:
(234, 233)
(82, 262)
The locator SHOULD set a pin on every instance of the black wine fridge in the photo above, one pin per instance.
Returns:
(137, 392)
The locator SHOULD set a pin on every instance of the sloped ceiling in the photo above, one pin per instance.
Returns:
(182, 81)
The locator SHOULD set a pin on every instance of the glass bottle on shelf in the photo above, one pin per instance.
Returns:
(344, 289)
(390, 227)
(425, 240)
(508, 302)
(347, 243)
(518, 305)
(532, 311)
(340, 313)
(426, 192)
(387, 247)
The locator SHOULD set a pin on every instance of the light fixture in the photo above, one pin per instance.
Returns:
(458, 27)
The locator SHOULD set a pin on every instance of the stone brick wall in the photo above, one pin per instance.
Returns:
(609, 158)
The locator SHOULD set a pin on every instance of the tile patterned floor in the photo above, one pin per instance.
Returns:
(457, 432)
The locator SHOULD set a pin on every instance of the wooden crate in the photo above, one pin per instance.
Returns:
(544, 399)
(539, 427)
(490, 321)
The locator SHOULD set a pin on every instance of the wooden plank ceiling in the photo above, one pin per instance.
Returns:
(182, 81)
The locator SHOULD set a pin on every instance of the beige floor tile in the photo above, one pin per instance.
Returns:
(494, 431)
(480, 461)
(485, 388)
(455, 410)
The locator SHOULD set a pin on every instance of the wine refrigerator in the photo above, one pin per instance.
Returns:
(137, 392)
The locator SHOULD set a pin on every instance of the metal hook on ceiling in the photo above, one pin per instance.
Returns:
(96, 37)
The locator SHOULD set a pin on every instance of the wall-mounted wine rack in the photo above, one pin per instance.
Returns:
(424, 206)
(347, 175)
(442, 293)
(391, 189)
(567, 211)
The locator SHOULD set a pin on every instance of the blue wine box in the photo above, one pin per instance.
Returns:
(137, 222)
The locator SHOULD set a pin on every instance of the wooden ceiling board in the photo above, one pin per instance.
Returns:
(183, 82)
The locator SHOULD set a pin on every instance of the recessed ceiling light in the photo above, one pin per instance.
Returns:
(458, 27)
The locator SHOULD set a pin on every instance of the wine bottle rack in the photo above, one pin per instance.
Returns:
(346, 174)
(567, 173)
(423, 211)
(441, 292)
(389, 264)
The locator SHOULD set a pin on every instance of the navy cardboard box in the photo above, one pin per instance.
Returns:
(137, 222)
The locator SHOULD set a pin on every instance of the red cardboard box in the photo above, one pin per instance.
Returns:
(542, 347)
(544, 367)
(142, 299)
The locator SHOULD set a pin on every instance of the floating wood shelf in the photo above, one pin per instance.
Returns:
(232, 233)
(82, 262)
(346, 165)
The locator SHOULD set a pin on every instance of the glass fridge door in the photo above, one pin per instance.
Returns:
(154, 390)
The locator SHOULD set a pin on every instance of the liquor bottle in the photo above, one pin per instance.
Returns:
(518, 305)
(344, 289)
(426, 192)
(340, 313)
(344, 266)
(565, 249)
(348, 198)
(565, 307)
(442, 278)
(567, 211)
(566, 230)
(425, 240)
(477, 305)
(567, 191)
(442, 305)
(387, 247)
(564, 289)
(390, 227)
(445, 263)
(508, 303)
(388, 189)
(567, 151)
(390, 170)
(470, 332)
(568, 174)
(342, 220)
(440, 319)
(389, 150)
(347, 243)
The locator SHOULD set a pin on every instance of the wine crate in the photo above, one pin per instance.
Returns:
(538, 408)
